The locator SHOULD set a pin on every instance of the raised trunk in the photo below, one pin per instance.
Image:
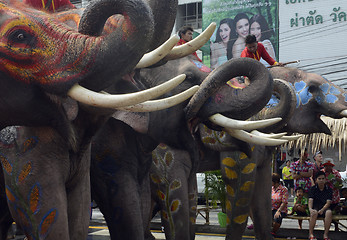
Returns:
(236, 103)
(282, 104)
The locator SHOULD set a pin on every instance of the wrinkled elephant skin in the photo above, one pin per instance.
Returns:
(46, 157)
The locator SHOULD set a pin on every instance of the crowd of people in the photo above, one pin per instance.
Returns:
(317, 186)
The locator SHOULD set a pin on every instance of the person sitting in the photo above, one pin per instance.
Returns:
(256, 50)
(342, 207)
(300, 207)
(279, 199)
(186, 34)
(319, 202)
(333, 180)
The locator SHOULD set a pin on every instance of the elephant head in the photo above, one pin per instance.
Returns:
(41, 58)
(316, 96)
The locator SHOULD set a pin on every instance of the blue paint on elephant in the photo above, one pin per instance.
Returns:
(319, 99)
(299, 86)
(334, 90)
(331, 98)
(273, 102)
(325, 88)
(305, 96)
(35, 193)
(345, 95)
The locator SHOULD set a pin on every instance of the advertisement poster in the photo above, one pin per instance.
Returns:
(235, 20)
(314, 32)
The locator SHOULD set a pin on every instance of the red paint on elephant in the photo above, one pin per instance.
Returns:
(50, 5)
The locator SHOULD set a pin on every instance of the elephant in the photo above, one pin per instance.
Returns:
(173, 166)
(247, 173)
(119, 172)
(46, 136)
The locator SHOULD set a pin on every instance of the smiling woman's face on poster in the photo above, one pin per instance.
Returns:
(228, 40)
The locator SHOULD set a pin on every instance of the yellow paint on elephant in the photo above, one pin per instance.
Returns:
(230, 191)
(241, 219)
(231, 174)
(192, 220)
(252, 148)
(228, 206)
(228, 220)
(247, 186)
(249, 168)
(242, 202)
(229, 162)
(243, 156)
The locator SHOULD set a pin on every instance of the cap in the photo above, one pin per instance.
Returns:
(328, 161)
(316, 153)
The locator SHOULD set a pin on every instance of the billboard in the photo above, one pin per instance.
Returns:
(314, 32)
(235, 20)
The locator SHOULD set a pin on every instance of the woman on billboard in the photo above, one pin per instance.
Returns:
(221, 45)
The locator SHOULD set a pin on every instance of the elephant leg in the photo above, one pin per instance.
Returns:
(39, 206)
(146, 206)
(238, 171)
(261, 201)
(192, 198)
(122, 210)
(170, 173)
(79, 199)
(5, 215)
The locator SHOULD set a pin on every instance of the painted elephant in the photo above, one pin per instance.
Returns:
(46, 156)
(248, 176)
(173, 180)
(117, 189)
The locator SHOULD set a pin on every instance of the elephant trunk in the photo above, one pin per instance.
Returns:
(233, 102)
(94, 61)
(164, 13)
(282, 104)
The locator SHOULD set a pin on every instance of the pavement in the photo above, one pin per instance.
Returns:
(212, 231)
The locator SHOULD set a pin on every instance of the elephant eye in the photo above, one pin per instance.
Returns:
(22, 37)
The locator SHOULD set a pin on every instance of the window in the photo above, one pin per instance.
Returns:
(190, 15)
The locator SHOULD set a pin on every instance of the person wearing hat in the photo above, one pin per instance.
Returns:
(333, 180)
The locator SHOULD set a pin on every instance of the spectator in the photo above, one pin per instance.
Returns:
(302, 172)
(342, 208)
(300, 207)
(288, 178)
(186, 34)
(333, 180)
(279, 197)
(317, 165)
(319, 202)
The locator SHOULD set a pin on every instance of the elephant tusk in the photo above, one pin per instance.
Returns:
(158, 54)
(88, 97)
(272, 135)
(193, 45)
(250, 138)
(223, 121)
(292, 138)
(343, 113)
(160, 104)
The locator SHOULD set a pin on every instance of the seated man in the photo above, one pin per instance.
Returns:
(257, 51)
(319, 202)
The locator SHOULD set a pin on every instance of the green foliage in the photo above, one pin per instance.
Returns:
(215, 188)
